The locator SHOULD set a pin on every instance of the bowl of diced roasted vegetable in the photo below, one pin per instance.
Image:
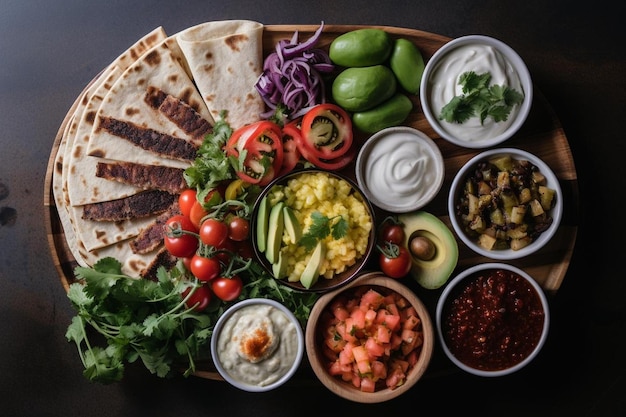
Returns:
(505, 203)
(313, 230)
(371, 340)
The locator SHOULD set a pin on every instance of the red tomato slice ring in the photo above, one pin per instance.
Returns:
(291, 154)
(334, 164)
(326, 131)
(262, 143)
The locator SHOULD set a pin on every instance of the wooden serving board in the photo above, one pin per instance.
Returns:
(542, 135)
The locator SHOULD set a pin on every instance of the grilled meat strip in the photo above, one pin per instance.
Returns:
(163, 258)
(152, 236)
(139, 205)
(180, 113)
(149, 139)
(147, 177)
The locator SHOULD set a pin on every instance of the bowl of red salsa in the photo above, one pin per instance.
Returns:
(492, 319)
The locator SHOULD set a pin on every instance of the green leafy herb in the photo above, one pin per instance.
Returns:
(323, 226)
(479, 99)
(211, 165)
(149, 320)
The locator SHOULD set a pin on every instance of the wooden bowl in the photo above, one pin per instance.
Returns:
(315, 341)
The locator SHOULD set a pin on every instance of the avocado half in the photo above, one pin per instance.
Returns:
(433, 273)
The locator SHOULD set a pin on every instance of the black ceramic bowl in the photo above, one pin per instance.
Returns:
(323, 283)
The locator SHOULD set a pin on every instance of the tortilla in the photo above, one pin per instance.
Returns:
(70, 216)
(161, 67)
(226, 59)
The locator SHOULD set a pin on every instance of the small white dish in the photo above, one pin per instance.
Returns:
(243, 331)
(460, 284)
(440, 83)
(400, 169)
(457, 187)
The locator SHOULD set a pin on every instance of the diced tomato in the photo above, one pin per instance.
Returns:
(368, 385)
(372, 299)
(379, 370)
(374, 349)
(371, 340)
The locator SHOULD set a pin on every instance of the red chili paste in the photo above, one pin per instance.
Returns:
(494, 321)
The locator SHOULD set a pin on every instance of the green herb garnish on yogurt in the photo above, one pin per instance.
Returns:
(479, 99)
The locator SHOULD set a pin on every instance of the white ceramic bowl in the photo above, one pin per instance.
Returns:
(288, 324)
(400, 169)
(457, 189)
(440, 84)
(506, 321)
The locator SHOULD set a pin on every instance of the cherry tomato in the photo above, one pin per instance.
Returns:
(326, 132)
(200, 298)
(393, 232)
(177, 242)
(213, 232)
(264, 151)
(205, 269)
(227, 289)
(225, 251)
(199, 210)
(238, 228)
(186, 200)
(396, 266)
(244, 249)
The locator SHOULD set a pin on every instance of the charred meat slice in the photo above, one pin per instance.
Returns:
(149, 139)
(152, 236)
(180, 113)
(139, 205)
(147, 177)
(163, 258)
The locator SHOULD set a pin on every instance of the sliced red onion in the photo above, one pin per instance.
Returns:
(292, 75)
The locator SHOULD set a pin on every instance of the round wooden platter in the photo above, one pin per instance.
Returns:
(542, 135)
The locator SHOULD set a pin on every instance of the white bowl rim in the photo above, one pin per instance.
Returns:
(227, 314)
(422, 137)
(508, 254)
(465, 274)
(512, 56)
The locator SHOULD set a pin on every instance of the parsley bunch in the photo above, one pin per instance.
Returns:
(479, 99)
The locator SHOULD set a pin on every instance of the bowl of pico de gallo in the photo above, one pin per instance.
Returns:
(371, 340)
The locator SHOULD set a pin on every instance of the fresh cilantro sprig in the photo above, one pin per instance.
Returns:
(321, 227)
(211, 165)
(479, 99)
(149, 320)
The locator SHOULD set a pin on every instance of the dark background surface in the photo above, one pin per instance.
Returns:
(49, 50)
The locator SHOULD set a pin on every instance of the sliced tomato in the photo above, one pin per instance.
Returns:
(326, 132)
(262, 143)
(291, 135)
(329, 164)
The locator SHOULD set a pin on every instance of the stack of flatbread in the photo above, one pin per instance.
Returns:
(137, 126)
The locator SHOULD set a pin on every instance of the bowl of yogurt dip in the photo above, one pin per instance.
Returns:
(476, 91)
(400, 169)
(257, 345)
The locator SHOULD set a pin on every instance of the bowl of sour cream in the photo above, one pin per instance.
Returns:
(476, 91)
(400, 169)
(257, 345)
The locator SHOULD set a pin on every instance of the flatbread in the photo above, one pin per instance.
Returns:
(226, 59)
(162, 67)
(70, 216)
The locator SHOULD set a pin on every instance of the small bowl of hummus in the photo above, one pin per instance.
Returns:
(476, 91)
(257, 345)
